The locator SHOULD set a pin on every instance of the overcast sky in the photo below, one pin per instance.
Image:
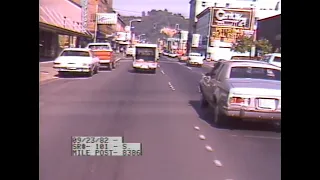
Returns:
(135, 7)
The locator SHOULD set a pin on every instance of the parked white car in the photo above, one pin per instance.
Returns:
(76, 60)
(273, 58)
(195, 59)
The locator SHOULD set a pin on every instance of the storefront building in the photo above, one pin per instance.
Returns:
(270, 29)
(226, 26)
(60, 26)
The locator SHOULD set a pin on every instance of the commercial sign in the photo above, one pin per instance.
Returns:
(107, 18)
(84, 14)
(195, 40)
(184, 35)
(237, 18)
(123, 36)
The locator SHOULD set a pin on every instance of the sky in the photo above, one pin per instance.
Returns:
(135, 7)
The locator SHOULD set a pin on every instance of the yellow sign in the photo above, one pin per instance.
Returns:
(228, 34)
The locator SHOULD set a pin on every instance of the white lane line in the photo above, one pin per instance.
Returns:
(217, 163)
(169, 83)
(162, 71)
(196, 128)
(202, 137)
(173, 89)
(189, 68)
(262, 137)
(208, 148)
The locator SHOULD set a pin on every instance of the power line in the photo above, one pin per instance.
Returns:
(127, 11)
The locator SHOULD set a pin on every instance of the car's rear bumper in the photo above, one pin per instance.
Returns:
(72, 69)
(196, 63)
(253, 115)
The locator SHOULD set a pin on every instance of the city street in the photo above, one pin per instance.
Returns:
(158, 110)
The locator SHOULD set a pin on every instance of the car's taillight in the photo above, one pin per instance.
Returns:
(239, 100)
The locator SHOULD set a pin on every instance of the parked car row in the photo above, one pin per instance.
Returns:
(85, 60)
(193, 59)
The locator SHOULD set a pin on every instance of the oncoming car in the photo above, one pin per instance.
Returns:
(76, 60)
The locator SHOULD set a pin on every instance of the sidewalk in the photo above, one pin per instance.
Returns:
(47, 72)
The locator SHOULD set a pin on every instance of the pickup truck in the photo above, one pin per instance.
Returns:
(105, 54)
(243, 89)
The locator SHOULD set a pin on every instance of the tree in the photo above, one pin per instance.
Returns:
(264, 46)
(243, 44)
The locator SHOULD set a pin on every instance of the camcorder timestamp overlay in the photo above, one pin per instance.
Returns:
(104, 146)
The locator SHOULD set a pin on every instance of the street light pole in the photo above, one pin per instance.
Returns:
(130, 24)
(96, 23)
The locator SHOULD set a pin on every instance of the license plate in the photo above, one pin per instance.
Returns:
(72, 68)
(267, 103)
(144, 67)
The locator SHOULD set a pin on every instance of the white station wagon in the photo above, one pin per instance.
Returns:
(76, 60)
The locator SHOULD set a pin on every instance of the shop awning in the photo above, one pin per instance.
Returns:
(52, 20)
(50, 27)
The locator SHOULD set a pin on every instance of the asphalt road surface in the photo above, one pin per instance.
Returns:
(160, 111)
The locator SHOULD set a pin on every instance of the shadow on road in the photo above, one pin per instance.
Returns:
(234, 124)
(72, 75)
(140, 72)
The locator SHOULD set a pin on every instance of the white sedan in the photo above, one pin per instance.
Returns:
(76, 60)
(195, 59)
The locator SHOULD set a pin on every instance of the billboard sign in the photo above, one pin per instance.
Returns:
(107, 18)
(235, 18)
(184, 35)
(195, 40)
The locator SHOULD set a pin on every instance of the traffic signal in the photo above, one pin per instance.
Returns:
(203, 4)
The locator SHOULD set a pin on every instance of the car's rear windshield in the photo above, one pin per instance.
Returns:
(277, 59)
(195, 55)
(255, 73)
(148, 54)
(99, 47)
(75, 53)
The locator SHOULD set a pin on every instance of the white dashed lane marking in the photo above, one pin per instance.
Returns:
(208, 148)
(202, 137)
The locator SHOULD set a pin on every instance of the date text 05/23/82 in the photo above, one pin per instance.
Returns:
(104, 146)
